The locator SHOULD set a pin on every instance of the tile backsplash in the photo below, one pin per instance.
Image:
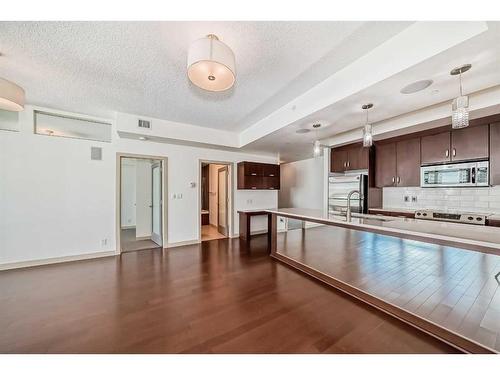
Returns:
(484, 199)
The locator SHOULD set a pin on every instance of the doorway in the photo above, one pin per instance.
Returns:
(215, 197)
(141, 210)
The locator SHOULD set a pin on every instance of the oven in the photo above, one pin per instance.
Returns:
(455, 175)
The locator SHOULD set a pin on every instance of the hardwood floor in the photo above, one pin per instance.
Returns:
(210, 298)
(130, 243)
(210, 232)
(449, 287)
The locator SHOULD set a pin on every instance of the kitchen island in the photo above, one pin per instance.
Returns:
(444, 285)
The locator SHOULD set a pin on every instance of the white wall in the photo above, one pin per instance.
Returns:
(143, 200)
(128, 193)
(302, 184)
(56, 202)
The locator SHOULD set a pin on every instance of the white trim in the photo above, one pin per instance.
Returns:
(118, 223)
(231, 179)
(183, 243)
(128, 227)
(70, 258)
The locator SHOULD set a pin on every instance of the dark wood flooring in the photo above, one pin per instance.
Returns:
(210, 298)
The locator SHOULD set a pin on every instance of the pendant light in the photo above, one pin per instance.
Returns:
(460, 105)
(317, 147)
(11, 96)
(367, 129)
(211, 64)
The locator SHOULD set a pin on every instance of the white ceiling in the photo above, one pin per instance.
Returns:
(97, 68)
(483, 52)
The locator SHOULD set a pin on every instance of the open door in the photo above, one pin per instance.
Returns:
(222, 201)
(156, 227)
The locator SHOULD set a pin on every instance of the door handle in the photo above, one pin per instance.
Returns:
(399, 180)
(447, 153)
(348, 164)
(253, 174)
(454, 152)
(393, 179)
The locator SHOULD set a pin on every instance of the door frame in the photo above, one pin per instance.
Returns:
(226, 170)
(231, 184)
(118, 191)
(156, 164)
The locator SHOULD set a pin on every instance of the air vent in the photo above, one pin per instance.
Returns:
(96, 153)
(145, 124)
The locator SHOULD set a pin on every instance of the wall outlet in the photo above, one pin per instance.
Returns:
(407, 198)
(249, 201)
(414, 199)
(104, 242)
(179, 195)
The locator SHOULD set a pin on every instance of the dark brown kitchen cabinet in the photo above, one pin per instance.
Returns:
(258, 176)
(436, 148)
(338, 160)
(495, 154)
(469, 143)
(349, 158)
(408, 162)
(385, 165)
(398, 163)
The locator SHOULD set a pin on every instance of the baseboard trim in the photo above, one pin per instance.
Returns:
(183, 243)
(143, 238)
(42, 262)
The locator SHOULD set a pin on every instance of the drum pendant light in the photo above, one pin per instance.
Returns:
(11, 96)
(211, 64)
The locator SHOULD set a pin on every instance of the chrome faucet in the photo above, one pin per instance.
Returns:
(348, 212)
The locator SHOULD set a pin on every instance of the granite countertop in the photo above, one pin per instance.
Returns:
(464, 234)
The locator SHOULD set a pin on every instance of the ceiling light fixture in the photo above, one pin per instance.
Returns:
(11, 96)
(460, 105)
(211, 64)
(317, 146)
(368, 128)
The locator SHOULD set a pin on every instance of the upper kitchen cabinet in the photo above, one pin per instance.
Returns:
(469, 143)
(398, 163)
(436, 148)
(349, 158)
(495, 153)
(408, 162)
(258, 176)
(338, 160)
(458, 145)
(385, 165)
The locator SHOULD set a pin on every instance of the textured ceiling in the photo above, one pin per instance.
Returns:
(140, 67)
(483, 52)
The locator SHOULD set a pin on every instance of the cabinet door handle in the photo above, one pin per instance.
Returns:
(253, 174)
(447, 153)
(254, 188)
(271, 175)
(348, 163)
(393, 179)
(345, 164)
(399, 180)
(454, 152)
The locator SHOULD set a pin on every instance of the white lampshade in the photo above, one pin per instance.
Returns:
(11, 96)
(211, 64)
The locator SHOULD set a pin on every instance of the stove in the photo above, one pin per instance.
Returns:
(456, 217)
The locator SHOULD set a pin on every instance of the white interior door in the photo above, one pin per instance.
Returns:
(156, 232)
(222, 201)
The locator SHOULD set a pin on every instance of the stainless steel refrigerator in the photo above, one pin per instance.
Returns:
(339, 187)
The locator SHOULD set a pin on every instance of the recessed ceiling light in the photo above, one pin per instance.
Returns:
(302, 131)
(416, 86)
(143, 138)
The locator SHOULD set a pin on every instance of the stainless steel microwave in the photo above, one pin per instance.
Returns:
(453, 175)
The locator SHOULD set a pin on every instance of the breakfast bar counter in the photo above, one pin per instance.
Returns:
(444, 285)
